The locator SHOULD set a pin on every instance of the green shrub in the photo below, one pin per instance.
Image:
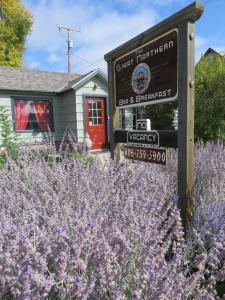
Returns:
(2, 160)
(210, 99)
(8, 137)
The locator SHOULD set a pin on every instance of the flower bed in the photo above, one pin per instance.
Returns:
(79, 230)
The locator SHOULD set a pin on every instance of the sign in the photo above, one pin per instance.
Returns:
(157, 66)
(143, 137)
(143, 124)
(148, 74)
(151, 155)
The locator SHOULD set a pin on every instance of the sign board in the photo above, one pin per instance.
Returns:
(143, 137)
(153, 67)
(148, 74)
(143, 124)
(151, 155)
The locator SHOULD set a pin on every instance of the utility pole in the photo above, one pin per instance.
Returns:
(69, 42)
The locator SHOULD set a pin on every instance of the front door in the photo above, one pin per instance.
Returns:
(96, 121)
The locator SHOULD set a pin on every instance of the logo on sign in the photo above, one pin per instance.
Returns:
(141, 78)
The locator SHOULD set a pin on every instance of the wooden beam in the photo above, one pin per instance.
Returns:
(186, 38)
(114, 115)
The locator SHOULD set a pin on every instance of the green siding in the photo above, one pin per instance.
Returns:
(94, 87)
(69, 111)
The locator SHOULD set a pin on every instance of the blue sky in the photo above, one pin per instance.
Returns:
(106, 24)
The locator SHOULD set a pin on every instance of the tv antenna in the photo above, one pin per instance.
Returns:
(69, 42)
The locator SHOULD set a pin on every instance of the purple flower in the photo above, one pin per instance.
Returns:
(76, 230)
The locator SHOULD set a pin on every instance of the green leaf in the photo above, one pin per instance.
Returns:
(13, 32)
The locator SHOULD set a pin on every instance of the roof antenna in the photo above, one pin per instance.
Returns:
(69, 42)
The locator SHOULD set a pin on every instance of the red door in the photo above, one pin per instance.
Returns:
(95, 121)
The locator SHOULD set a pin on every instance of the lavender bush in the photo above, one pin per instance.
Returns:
(209, 191)
(207, 233)
(206, 237)
(80, 230)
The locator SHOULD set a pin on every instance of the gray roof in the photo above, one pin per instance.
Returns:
(212, 51)
(70, 84)
(24, 79)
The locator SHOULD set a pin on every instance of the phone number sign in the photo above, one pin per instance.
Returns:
(147, 74)
(151, 155)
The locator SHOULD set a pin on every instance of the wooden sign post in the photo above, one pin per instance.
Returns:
(186, 120)
(154, 67)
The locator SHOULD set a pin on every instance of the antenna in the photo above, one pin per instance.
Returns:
(69, 42)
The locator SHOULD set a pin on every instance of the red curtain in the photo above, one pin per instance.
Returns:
(22, 114)
(42, 114)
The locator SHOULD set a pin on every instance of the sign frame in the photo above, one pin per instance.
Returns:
(174, 98)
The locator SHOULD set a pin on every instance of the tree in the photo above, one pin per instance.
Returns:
(13, 32)
(210, 99)
(161, 115)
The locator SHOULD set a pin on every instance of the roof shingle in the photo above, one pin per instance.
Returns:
(24, 79)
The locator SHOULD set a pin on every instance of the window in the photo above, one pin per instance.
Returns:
(35, 115)
(95, 113)
(129, 117)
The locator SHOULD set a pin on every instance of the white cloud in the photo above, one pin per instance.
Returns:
(99, 40)
(201, 41)
(102, 28)
(34, 64)
(221, 50)
(201, 46)
(53, 58)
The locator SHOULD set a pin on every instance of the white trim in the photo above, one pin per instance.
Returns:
(86, 79)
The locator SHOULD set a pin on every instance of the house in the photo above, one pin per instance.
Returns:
(211, 54)
(42, 104)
